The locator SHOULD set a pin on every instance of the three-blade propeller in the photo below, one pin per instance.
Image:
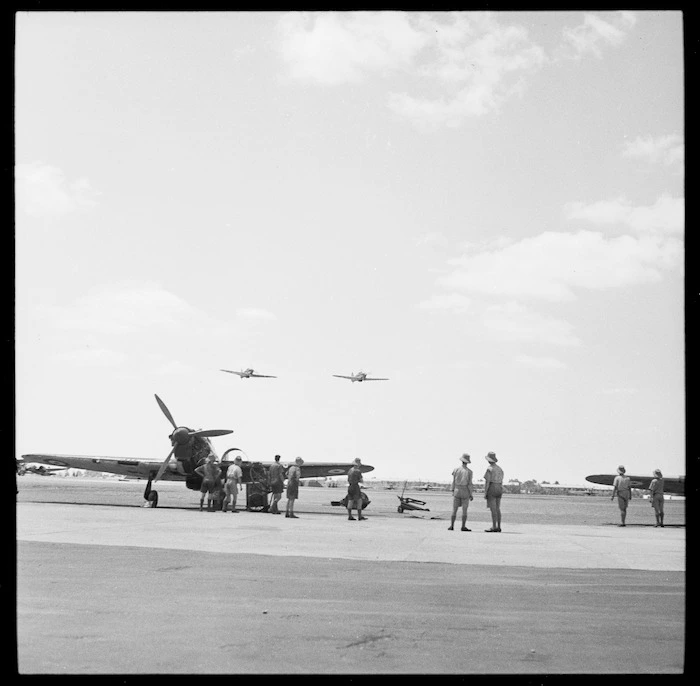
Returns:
(181, 435)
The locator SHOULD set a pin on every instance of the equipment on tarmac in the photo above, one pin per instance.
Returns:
(410, 503)
(256, 491)
(344, 502)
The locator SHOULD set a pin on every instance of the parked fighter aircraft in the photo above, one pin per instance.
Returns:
(673, 484)
(360, 376)
(247, 373)
(190, 448)
(25, 468)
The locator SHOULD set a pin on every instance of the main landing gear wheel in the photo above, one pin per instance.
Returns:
(150, 496)
(401, 510)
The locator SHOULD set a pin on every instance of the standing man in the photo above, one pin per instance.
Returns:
(276, 484)
(354, 493)
(234, 477)
(210, 473)
(623, 491)
(656, 495)
(293, 476)
(462, 489)
(493, 490)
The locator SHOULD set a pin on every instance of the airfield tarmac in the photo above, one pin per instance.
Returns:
(105, 586)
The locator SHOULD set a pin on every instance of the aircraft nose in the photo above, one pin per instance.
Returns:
(180, 436)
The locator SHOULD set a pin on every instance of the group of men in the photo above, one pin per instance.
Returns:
(463, 491)
(212, 484)
(622, 488)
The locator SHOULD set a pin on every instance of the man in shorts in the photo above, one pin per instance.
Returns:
(656, 495)
(493, 490)
(354, 496)
(276, 484)
(462, 491)
(293, 476)
(623, 490)
(211, 481)
(234, 477)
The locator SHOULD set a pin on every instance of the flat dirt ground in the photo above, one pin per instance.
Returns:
(105, 586)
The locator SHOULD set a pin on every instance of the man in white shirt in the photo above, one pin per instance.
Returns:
(462, 492)
(234, 477)
(623, 490)
(493, 490)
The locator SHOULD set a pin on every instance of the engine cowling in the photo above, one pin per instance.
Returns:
(194, 482)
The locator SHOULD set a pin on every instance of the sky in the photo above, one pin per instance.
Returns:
(487, 209)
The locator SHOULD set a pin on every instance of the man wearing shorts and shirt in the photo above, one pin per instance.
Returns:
(656, 495)
(493, 490)
(354, 496)
(234, 476)
(276, 484)
(462, 489)
(623, 490)
(210, 473)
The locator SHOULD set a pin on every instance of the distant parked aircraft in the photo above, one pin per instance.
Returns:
(360, 376)
(672, 484)
(40, 469)
(247, 373)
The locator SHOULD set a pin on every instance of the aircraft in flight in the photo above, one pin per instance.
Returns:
(247, 373)
(190, 449)
(674, 485)
(360, 376)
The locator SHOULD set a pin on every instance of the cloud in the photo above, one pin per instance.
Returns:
(668, 150)
(124, 309)
(452, 302)
(255, 313)
(44, 191)
(665, 216)
(480, 62)
(475, 61)
(431, 238)
(92, 357)
(540, 362)
(174, 368)
(550, 266)
(597, 32)
(619, 391)
(515, 322)
(509, 321)
(343, 47)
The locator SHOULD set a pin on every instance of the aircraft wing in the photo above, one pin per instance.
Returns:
(368, 378)
(232, 372)
(125, 466)
(672, 485)
(264, 376)
(340, 376)
(310, 470)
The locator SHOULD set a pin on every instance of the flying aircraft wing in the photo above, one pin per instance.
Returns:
(674, 485)
(232, 372)
(340, 376)
(125, 466)
(264, 376)
(368, 378)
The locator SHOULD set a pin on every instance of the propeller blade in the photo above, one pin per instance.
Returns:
(166, 412)
(211, 432)
(164, 465)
